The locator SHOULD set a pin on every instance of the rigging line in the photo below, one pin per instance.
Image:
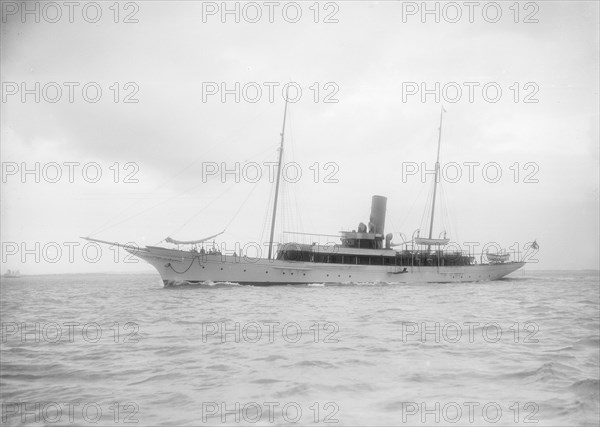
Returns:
(290, 208)
(107, 224)
(291, 134)
(132, 216)
(270, 149)
(284, 215)
(268, 212)
(219, 142)
(428, 215)
(288, 220)
(169, 199)
(443, 209)
(254, 187)
(147, 209)
(266, 215)
(293, 222)
(447, 210)
(293, 210)
(218, 197)
(293, 192)
(398, 231)
(225, 192)
(393, 226)
(441, 220)
(289, 190)
(414, 203)
(451, 220)
(297, 206)
(203, 209)
(110, 223)
(194, 187)
(280, 209)
(298, 223)
(425, 211)
(291, 201)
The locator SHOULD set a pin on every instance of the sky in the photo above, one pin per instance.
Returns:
(128, 119)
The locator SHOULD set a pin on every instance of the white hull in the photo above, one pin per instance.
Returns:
(176, 267)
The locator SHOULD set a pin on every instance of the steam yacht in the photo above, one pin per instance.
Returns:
(366, 254)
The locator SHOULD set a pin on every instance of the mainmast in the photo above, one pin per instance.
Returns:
(437, 171)
(278, 176)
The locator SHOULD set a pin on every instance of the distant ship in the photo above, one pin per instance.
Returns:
(12, 274)
(363, 255)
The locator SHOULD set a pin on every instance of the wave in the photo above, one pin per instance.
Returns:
(548, 371)
(588, 387)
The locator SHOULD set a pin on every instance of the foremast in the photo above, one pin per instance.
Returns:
(435, 180)
(278, 177)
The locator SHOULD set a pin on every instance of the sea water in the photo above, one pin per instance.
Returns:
(122, 350)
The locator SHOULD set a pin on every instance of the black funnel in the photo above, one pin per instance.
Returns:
(377, 219)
